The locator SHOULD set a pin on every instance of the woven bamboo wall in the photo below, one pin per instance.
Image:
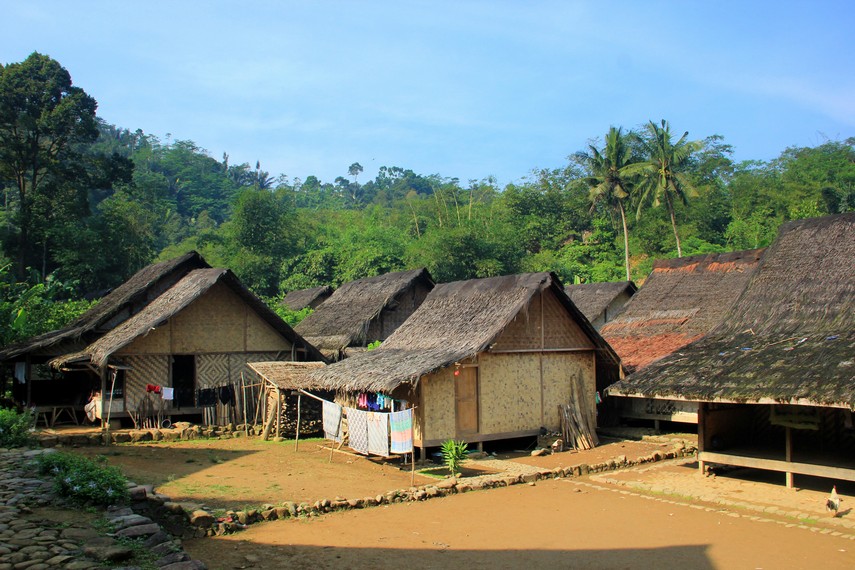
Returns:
(560, 370)
(144, 370)
(155, 342)
(215, 322)
(510, 392)
(261, 337)
(212, 370)
(437, 406)
(390, 319)
(560, 330)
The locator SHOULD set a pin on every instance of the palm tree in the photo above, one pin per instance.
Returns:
(610, 179)
(663, 169)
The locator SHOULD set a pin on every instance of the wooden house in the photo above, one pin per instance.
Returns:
(365, 310)
(601, 302)
(178, 324)
(485, 359)
(681, 300)
(311, 298)
(776, 379)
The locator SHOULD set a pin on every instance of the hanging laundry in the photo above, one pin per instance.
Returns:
(153, 388)
(167, 393)
(378, 434)
(206, 397)
(357, 430)
(227, 394)
(332, 421)
(401, 424)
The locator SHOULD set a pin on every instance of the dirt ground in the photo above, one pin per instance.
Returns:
(652, 515)
(555, 524)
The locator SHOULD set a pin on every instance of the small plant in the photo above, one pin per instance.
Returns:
(373, 345)
(84, 481)
(453, 454)
(16, 429)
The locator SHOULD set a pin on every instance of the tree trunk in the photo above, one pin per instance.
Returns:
(673, 223)
(625, 240)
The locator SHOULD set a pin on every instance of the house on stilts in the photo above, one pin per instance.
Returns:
(179, 325)
(485, 359)
(681, 301)
(601, 302)
(776, 379)
(364, 311)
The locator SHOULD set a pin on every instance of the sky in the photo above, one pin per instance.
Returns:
(462, 89)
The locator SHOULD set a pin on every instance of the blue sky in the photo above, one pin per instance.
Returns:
(463, 89)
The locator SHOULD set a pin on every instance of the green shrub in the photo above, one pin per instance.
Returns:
(83, 480)
(453, 453)
(16, 429)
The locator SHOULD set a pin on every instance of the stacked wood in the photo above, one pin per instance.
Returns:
(575, 428)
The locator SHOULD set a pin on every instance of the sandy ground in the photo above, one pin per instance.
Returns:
(555, 524)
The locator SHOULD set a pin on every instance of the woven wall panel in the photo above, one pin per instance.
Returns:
(212, 370)
(144, 370)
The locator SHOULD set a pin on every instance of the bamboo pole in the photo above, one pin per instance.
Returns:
(299, 409)
(243, 398)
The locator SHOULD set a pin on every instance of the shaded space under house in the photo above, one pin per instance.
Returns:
(776, 379)
(601, 302)
(311, 298)
(484, 359)
(681, 301)
(178, 325)
(364, 311)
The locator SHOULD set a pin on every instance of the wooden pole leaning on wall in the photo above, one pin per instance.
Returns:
(243, 397)
(299, 409)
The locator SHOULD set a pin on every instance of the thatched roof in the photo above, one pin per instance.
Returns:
(790, 338)
(170, 303)
(286, 375)
(682, 300)
(343, 319)
(297, 300)
(118, 305)
(456, 321)
(594, 298)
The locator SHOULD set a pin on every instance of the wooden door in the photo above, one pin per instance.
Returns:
(466, 401)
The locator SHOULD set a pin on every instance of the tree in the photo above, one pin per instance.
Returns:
(610, 178)
(664, 168)
(42, 117)
(354, 170)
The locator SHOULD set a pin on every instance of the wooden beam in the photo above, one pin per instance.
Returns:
(778, 465)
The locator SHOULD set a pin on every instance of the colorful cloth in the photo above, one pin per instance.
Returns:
(378, 434)
(401, 424)
(357, 430)
(332, 421)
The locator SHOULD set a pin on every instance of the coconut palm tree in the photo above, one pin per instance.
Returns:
(663, 170)
(611, 174)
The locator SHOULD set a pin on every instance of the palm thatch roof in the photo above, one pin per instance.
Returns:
(790, 338)
(171, 302)
(343, 319)
(298, 300)
(120, 304)
(286, 375)
(456, 321)
(682, 300)
(594, 298)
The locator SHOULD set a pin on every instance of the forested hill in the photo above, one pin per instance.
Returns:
(108, 201)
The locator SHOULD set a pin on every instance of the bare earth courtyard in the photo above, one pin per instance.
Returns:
(655, 515)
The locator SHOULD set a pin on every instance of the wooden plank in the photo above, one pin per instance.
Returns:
(778, 465)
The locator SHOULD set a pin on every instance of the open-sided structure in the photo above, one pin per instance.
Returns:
(601, 302)
(681, 301)
(365, 310)
(179, 324)
(776, 379)
(485, 359)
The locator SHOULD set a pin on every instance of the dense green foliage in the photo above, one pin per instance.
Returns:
(113, 200)
(84, 481)
(16, 428)
(453, 455)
